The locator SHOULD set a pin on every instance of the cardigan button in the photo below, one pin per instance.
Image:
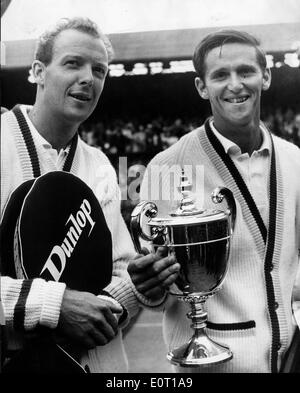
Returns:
(276, 305)
(271, 267)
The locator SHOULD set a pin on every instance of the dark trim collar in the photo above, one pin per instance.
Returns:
(267, 234)
(31, 149)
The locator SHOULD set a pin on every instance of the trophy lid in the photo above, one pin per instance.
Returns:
(193, 219)
(187, 213)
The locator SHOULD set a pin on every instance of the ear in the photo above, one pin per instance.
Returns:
(201, 88)
(38, 72)
(266, 79)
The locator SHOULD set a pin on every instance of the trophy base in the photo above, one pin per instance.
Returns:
(200, 351)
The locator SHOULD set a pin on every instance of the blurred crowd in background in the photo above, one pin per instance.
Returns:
(132, 138)
(140, 142)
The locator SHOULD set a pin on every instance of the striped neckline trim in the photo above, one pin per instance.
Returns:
(216, 144)
(31, 149)
(221, 160)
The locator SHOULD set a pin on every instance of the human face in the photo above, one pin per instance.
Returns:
(73, 81)
(233, 83)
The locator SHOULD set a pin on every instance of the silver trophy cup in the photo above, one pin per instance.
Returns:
(200, 240)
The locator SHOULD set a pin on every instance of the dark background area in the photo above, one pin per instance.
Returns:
(149, 96)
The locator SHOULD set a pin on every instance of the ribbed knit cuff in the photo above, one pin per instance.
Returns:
(145, 301)
(52, 299)
(122, 291)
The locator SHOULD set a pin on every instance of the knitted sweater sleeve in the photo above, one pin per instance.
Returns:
(108, 194)
(121, 286)
(29, 303)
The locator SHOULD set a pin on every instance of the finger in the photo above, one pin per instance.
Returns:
(111, 320)
(107, 323)
(97, 338)
(107, 303)
(150, 264)
(164, 278)
(141, 263)
(88, 341)
(169, 280)
(115, 308)
(164, 267)
(119, 311)
(145, 251)
(106, 330)
(162, 252)
(156, 269)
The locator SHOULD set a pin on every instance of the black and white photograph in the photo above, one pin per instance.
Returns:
(150, 189)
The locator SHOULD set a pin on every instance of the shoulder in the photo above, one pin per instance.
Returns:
(95, 158)
(9, 127)
(283, 146)
(288, 154)
(5, 117)
(93, 153)
(9, 123)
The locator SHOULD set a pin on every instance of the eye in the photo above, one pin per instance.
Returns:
(72, 63)
(220, 75)
(99, 71)
(246, 72)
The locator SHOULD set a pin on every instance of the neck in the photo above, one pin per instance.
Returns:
(248, 138)
(55, 130)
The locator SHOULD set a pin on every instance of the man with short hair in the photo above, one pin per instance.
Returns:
(70, 68)
(252, 313)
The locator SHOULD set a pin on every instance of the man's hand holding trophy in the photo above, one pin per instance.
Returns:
(200, 240)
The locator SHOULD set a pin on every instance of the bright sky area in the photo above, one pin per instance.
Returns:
(26, 19)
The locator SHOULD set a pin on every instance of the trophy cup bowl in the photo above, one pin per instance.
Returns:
(200, 240)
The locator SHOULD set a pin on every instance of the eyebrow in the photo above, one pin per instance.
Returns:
(247, 67)
(78, 57)
(66, 56)
(101, 64)
(240, 68)
(218, 71)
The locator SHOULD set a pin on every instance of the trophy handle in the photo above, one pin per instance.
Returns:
(149, 209)
(218, 195)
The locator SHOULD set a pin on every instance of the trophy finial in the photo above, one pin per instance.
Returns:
(187, 204)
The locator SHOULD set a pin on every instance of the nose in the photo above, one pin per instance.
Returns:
(235, 83)
(86, 75)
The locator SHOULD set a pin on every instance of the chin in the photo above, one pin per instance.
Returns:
(78, 116)
(241, 121)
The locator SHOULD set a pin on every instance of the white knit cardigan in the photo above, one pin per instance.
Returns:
(240, 312)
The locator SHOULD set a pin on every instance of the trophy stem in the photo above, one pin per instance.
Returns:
(198, 315)
(200, 350)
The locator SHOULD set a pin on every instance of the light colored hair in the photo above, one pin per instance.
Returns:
(44, 48)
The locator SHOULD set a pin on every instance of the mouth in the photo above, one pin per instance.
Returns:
(82, 97)
(237, 100)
